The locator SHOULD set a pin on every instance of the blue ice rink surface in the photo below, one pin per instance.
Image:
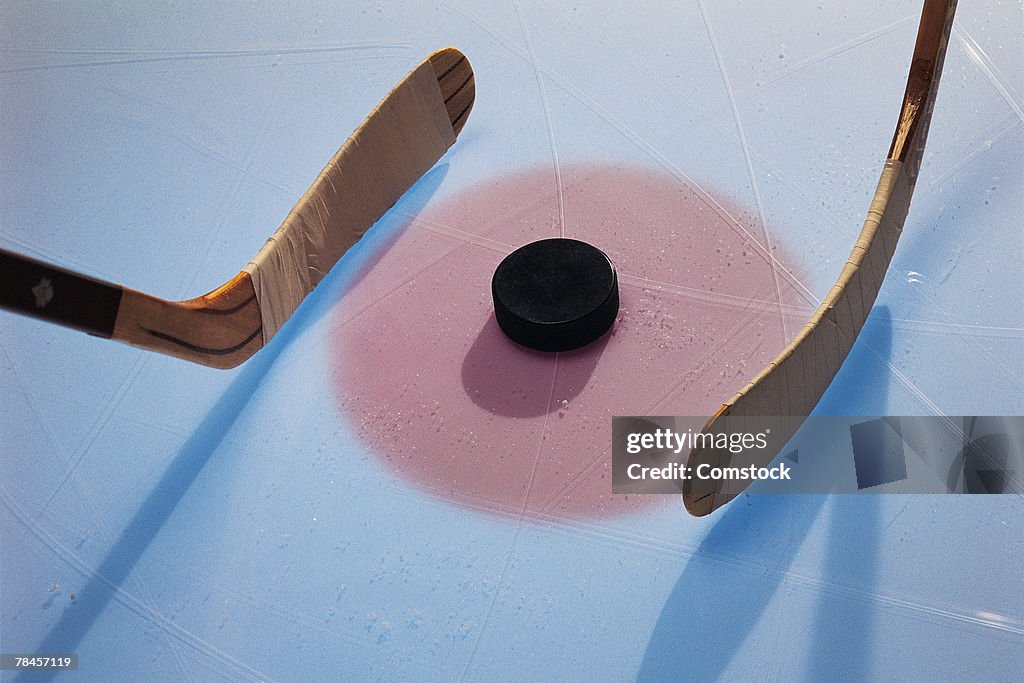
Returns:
(167, 521)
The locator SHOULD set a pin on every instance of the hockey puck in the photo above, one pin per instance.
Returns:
(555, 294)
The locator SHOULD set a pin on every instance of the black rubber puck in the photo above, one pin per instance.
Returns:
(555, 295)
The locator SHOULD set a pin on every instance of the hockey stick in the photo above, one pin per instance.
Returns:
(397, 143)
(793, 383)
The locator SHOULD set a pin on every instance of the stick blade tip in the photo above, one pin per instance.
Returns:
(457, 84)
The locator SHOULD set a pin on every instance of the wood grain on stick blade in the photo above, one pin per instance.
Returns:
(457, 84)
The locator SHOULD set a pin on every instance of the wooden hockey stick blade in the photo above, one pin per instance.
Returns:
(396, 144)
(796, 379)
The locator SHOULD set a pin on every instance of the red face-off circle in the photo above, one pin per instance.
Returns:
(446, 401)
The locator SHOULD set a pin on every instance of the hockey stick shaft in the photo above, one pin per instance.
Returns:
(29, 287)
